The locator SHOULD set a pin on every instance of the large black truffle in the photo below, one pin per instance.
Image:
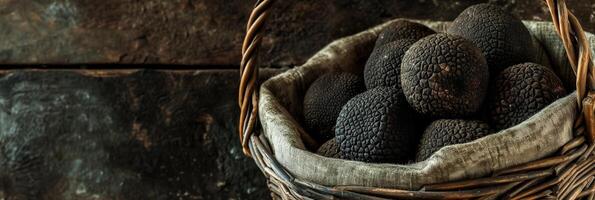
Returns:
(329, 149)
(383, 67)
(403, 29)
(444, 76)
(519, 92)
(503, 39)
(444, 132)
(325, 98)
(377, 126)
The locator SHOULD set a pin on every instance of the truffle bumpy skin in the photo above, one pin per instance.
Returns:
(377, 126)
(444, 132)
(519, 92)
(444, 76)
(403, 29)
(325, 98)
(383, 67)
(503, 39)
(329, 149)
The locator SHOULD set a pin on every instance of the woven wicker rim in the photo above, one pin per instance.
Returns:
(568, 175)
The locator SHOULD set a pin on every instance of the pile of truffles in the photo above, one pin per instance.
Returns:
(422, 90)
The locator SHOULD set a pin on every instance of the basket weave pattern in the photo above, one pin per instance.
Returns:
(569, 174)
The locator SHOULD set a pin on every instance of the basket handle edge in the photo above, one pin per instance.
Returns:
(578, 51)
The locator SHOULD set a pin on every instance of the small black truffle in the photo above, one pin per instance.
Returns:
(444, 76)
(325, 98)
(383, 67)
(519, 92)
(329, 149)
(378, 126)
(444, 132)
(503, 39)
(403, 29)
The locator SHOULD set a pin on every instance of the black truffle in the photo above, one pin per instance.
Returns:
(519, 92)
(503, 39)
(444, 76)
(325, 98)
(377, 126)
(383, 67)
(403, 29)
(444, 132)
(329, 149)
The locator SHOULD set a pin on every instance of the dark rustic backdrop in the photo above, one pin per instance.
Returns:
(208, 32)
(162, 134)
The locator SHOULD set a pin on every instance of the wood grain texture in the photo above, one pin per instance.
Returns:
(140, 135)
(208, 32)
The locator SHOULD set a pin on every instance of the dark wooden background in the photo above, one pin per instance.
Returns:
(208, 32)
(174, 131)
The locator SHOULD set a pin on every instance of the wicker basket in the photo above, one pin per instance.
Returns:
(569, 174)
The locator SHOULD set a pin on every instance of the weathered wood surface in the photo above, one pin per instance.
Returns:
(208, 32)
(123, 135)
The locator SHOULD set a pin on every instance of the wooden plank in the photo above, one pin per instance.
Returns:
(208, 32)
(123, 135)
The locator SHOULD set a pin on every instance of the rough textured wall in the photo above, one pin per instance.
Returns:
(208, 32)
